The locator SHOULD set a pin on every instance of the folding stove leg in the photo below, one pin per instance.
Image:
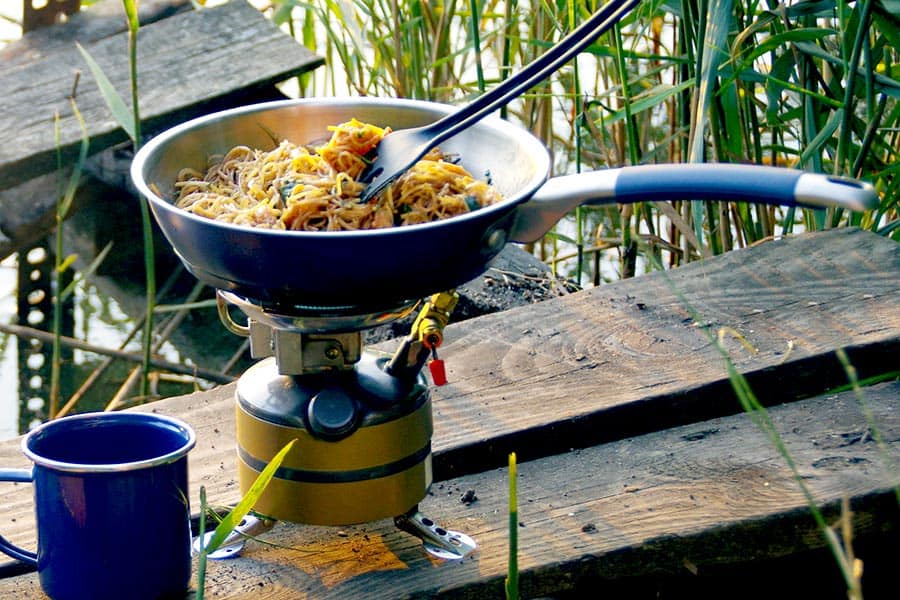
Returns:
(248, 527)
(439, 542)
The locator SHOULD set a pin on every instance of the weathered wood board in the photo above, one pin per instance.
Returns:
(102, 19)
(624, 371)
(691, 497)
(186, 63)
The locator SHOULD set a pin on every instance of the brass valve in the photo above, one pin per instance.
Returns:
(426, 335)
(428, 327)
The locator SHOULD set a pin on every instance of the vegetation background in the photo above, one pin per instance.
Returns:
(811, 85)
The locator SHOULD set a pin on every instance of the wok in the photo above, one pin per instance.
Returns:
(372, 270)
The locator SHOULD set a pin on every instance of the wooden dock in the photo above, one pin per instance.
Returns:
(640, 474)
(190, 62)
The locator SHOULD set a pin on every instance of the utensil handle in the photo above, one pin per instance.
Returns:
(29, 558)
(703, 181)
(742, 183)
(533, 73)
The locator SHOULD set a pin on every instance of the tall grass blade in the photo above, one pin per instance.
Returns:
(647, 101)
(68, 196)
(120, 111)
(130, 122)
(850, 370)
(512, 569)
(201, 559)
(82, 274)
(131, 14)
(63, 206)
(475, 20)
(760, 416)
(715, 44)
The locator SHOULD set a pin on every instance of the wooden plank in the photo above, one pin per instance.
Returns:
(186, 64)
(103, 19)
(28, 211)
(692, 497)
(616, 361)
(636, 356)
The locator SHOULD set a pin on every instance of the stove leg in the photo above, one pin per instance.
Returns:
(248, 527)
(439, 542)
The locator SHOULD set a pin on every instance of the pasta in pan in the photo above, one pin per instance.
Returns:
(294, 188)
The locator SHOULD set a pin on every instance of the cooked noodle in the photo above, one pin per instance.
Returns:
(291, 187)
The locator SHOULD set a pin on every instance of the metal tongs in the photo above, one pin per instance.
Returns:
(400, 149)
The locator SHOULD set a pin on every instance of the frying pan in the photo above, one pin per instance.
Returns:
(372, 270)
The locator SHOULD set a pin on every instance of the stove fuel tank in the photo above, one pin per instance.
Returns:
(363, 449)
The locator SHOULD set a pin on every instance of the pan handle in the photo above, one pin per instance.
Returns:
(702, 181)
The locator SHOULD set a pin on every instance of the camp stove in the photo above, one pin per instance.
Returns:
(362, 419)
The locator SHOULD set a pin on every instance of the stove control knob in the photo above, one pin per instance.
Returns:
(332, 413)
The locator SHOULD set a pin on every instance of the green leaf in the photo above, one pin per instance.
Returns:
(167, 308)
(512, 568)
(201, 560)
(715, 46)
(889, 86)
(649, 99)
(131, 13)
(555, 235)
(68, 196)
(234, 517)
(816, 145)
(783, 41)
(780, 72)
(282, 12)
(117, 107)
(84, 274)
(66, 263)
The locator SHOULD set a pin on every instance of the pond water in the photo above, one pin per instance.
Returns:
(24, 401)
(9, 368)
(98, 319)
(104, 313)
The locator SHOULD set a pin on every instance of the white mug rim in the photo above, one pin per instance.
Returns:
(105, 418)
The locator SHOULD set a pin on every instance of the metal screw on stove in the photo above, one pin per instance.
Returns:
(332, 352)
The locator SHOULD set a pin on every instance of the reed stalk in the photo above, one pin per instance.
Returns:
(130, 121)
(65, 197)
(512, 569)
(233, 517)
(131, 12)
(840, 546)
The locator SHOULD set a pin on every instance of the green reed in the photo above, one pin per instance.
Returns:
(129, 119)
(233, 517)
(840, 545)
(65, 197)
(813, 85)
(511, 583)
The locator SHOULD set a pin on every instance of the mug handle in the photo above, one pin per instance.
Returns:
(29, 558)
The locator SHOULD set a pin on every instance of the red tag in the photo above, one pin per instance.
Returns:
(438, 374)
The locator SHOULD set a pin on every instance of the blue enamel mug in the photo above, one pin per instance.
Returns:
(111, 506)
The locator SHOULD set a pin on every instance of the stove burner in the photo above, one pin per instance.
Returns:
(309, 318)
